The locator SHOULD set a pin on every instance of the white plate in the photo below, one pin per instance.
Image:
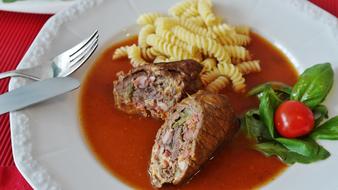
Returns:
(36, 6)
(47, 144)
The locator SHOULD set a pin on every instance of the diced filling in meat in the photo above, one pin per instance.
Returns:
(174, 149)
(153, 92)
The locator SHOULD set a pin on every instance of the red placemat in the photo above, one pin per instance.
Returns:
(330, 6)
(17, 31)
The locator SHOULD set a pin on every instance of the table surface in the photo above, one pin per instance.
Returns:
(17, 32)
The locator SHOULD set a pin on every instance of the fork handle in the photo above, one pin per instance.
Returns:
(17, 73)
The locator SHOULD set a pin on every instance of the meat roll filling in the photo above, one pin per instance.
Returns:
(155, 93)
(152, 90)
(193, 130)
(175, 146)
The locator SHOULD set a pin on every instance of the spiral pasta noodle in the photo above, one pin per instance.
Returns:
(167, 23)
(196, 20)
(207, 45)
(236, 61)
(180, 8)
(148, 18)
(149, 54)
(222, 29)
(190, 12)
(171, 38)
(193, 31)
(144, 33)
(120, 52)
(209, 76)
(237, 52)
(209, 64)
(218, 21)
(195, 28)
(236, 77)
(235, 39)
(205, 10)
(245, 30)
(160, 59)
(249, 67)
(134, 54)
(166, 48)
(229, 35)
(218, 84)
(164, 59)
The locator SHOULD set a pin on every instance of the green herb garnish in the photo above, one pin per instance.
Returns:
(311, 89)
(9, 1)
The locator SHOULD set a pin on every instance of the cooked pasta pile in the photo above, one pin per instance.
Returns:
(193, 31)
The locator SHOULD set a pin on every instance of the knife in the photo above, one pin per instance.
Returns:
(36, 92)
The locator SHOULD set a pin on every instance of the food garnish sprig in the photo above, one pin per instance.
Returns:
(289, 120)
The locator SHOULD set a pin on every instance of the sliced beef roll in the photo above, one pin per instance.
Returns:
(151, 90)
(193, 130)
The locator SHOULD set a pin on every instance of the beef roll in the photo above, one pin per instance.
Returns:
(193, 130)
(151, 90)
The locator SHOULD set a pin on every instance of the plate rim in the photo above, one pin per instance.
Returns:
(20, 134)
(41, 7)
(34, 173)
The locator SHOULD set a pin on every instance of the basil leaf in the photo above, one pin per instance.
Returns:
(276, 149)
(320, 113)
(8, 1)
(303, 147)
(269, 101)
(277, 86)
(313, 85)
(253, 127)
(328, 130)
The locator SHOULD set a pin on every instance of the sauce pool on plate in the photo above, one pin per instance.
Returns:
(123, 142)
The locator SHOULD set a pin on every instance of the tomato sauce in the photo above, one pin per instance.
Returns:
(123, 142)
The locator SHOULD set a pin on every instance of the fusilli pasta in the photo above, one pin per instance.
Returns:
(149, 54)
(205, 10)
(209, 64)
(148, 18)
(195, 28)
(235, 39)
(222, 29)
(180, 8)
(249, 67)
(171, 38)
(190, 12)
(160, 59)
(143, 34)
(134, 54)
(120, 52)
(166, 48)
(237, 52)
(218, 84)
(245, 30)
(207, 45)
(193, 31)
(168, 22)
(209, 76)
(236, 77)
(197, 20)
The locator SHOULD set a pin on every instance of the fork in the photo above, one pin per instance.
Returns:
(62, 65)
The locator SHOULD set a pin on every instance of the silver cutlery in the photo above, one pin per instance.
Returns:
(62, 65)
(36, 92)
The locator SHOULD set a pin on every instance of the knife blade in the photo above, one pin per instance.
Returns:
(36, 92)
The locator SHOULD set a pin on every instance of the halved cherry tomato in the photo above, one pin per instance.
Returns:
(293, 119)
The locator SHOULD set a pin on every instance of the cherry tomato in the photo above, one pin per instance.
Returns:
(293, 119)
